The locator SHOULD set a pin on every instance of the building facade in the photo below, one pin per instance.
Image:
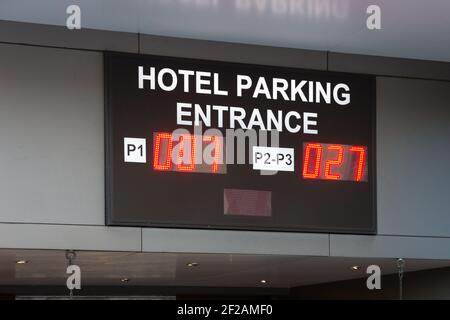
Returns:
(53, 181)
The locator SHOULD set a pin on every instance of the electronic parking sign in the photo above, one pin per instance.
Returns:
(209, 144)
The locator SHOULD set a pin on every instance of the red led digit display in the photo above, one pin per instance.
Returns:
(334, 162)
(217, 152)
(195, 144)
(188, 153)
(162, 143)
(187, 143)
(311, 166)
(361, 161)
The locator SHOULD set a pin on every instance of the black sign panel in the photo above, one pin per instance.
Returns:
(208, 144)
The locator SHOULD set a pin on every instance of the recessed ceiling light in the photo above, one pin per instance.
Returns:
(355, 268)
(21, 261)
(124, 280)
(192, 264)
(263, 281)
